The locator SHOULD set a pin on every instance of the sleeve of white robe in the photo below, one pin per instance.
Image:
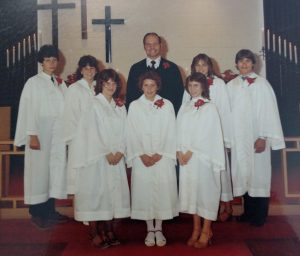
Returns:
(168, 135)
(208, 143)
(72, 113)
(134, 147)
(221, 99)
(26, 123)
(269, 124)
(90, 143)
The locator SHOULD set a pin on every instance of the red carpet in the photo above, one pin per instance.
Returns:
(279, 237)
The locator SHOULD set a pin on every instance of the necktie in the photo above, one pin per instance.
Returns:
(152, 64)
(52, 79)
(244, 78)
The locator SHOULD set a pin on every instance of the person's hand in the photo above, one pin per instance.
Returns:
(187, 156)
(260, 145)
(147, 160)
(118, 156)
(180, 158)
(34, 142)
(156, 157)
(110, 158)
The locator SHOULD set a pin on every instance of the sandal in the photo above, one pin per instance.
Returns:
(225, 216)
(150, 239)
(160, 238)
(193, 239)
(100, 243)
(203, 243)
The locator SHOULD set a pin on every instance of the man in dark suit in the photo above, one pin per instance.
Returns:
(172, 86)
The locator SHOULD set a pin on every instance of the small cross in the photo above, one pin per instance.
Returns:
(54, 6)
(108, 22)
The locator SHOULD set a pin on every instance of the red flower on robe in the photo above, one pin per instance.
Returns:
(159, 103)
(59, 80)
(210, 81)
(166, 65)
(199, 103)
(250, 80)
(119, 102)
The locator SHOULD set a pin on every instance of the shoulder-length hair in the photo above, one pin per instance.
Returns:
(104, 76)
(86, 60)
(200, 78)
(205, 59)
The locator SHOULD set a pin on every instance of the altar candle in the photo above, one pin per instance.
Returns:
(274, 47)
(290, 50)
(13, 55)
(279, 45)
(7, 58)
(296, 54)
(284, 47)
(268, 39)
(19, 51)
(34, 41)
(29, 45)
(263, 37)
(40, 38)
(24, 48)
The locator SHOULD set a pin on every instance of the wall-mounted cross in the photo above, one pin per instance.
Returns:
(108, 22)
(54, 6)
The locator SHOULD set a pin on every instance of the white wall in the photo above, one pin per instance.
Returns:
(218, 28)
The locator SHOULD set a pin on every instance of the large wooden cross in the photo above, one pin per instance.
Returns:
(54, 6)
(108, 22)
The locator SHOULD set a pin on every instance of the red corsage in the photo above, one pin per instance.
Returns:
(159, 103)
(119, 102)
(166, 65)
(210, 81)
(59, 80)
(250, 80)
(199, 103)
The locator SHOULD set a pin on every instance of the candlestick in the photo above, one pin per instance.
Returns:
(274, 46)
(39, 39)
(296, 54)
(268, 39)
(34, 41)
(13, 55)
(284, 47)
(263, 37)
(279, 45)
(19, 51)
(29, 45)
(24, 48)
(290, 50)
(7, 58)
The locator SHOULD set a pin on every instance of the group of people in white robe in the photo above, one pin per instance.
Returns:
(102, 138)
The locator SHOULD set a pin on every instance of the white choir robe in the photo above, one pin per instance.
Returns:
(78, 100)
(254, 115)
(219, 96)
(101, 190)
(151, 129)
(199, 130)
(40, 113)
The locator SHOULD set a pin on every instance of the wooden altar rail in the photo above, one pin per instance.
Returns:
(293, 145)
(5, 169)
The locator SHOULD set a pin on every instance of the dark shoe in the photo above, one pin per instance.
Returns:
(243, 218)
(57, 218)
(112, 239)
(41, 223)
